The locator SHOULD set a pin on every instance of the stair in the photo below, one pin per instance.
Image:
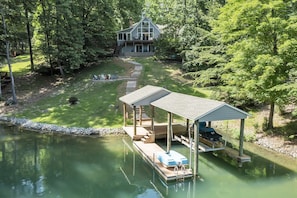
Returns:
(149, 138)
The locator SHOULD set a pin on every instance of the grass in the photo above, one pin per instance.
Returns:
(98, 101)
(169, 76)
(20, 65)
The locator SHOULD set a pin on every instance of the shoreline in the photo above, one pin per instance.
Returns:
(26, 124)
(275, 144)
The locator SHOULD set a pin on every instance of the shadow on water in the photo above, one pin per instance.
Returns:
(51, 165)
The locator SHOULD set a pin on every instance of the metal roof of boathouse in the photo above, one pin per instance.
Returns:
(187, 106)
(144, 96)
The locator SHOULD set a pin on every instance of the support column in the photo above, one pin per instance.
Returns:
(196, 147)
(134, 119)
(124, 113)
(169, 127)
(187, 125)
(241, 137)
(153, 117)
(140, 115)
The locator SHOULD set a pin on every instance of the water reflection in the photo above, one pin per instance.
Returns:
(48, 165)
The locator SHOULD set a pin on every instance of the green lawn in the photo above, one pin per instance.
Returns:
(99, 104)
(20, 65)
(98, 101)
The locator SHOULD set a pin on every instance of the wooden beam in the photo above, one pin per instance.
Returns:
(241, 137)
(196, 147)
(169, 128)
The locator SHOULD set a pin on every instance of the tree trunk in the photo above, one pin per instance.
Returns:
(29, 36)
(271, 114)
(8, 61)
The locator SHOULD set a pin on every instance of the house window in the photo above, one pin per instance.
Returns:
(151, 37)
(138, 48)
(145, 37)
(120, 36)
(145, 24)
(151, 48)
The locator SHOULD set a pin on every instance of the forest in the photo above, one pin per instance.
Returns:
(247, 50)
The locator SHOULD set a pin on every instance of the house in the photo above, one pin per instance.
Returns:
(138, 39)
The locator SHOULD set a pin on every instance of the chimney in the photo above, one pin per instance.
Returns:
(131, 22)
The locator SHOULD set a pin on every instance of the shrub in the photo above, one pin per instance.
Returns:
(73, 100)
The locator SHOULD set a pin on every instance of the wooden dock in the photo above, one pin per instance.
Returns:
(141, 132)
(148, 152)
(234, 154)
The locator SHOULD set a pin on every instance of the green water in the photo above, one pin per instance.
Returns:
(47, 165)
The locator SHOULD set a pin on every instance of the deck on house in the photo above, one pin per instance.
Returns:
(149, 151)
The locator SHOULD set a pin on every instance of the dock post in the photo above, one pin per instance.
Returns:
(169, 132)
(153, 117)
(188, 121)
(134, 119)
(125, 113)
(196, 147)
(140, 115)
(241, 137)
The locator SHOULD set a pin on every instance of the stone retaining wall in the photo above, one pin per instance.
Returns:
(51, 128)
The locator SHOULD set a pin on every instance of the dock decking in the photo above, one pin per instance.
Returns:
(148, 152)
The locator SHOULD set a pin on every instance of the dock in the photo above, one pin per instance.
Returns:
(148, 152)
(234, 154)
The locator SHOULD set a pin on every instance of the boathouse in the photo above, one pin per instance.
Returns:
(193, 109)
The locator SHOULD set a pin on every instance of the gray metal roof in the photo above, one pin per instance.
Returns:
(196, 108)
(190, 107)
(144, 96)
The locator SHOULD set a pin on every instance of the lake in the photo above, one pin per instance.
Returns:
(52, 165)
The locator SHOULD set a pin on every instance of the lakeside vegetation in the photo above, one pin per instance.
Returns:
(241, 52)
(99, 106)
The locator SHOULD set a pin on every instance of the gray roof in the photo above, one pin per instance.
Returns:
(144, 96)
(196, 108)
(190, 107)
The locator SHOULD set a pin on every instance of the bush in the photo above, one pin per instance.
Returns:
(73, 100)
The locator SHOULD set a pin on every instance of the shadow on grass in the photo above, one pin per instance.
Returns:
(288, 131)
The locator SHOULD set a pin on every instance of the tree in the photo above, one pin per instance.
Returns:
(262, 45)
(28, 7)
(14, 99)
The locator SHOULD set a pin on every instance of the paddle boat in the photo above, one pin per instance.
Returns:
(172, 159)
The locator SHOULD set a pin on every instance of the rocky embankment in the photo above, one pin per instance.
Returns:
(26, 124)
(274, 143)
(278, 144)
